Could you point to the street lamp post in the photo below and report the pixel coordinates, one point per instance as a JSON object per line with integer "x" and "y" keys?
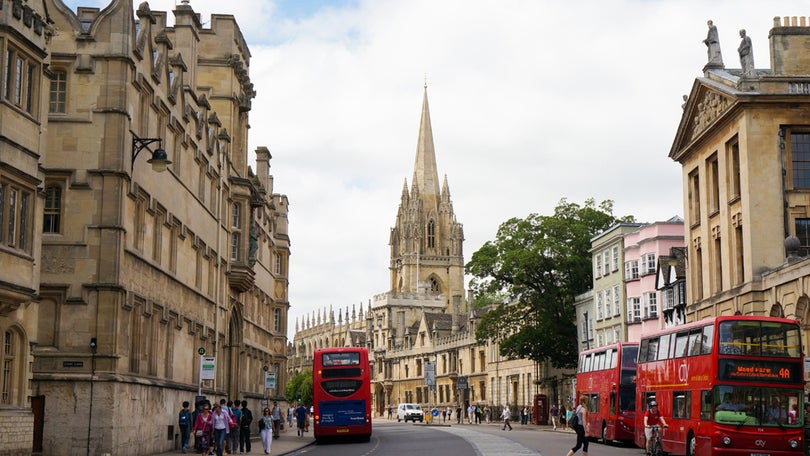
{"x": 93, "y": 349}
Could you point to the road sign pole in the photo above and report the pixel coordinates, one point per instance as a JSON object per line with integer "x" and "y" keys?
{"x": 201, "y": 351}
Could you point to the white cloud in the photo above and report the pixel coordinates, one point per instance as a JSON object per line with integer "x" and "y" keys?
{"x": 530, "y": 101}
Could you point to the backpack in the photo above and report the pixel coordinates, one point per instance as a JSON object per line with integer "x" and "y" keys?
{"x": 232, "y": 421}
{"x": 247, "y": 417}
{"x": 184, "y": 418}
{"x": 574, "y": 421}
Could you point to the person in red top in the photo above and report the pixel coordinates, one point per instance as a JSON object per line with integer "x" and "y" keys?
{"x": 652, "y": 417}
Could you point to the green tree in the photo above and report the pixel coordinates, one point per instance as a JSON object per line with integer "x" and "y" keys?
{"x": 541, "y": 263}
{"x": 299, "y": 388}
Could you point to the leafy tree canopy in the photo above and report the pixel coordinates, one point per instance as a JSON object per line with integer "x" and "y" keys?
{"x": 299, "y": 388}
{"x": 541, "y": 263}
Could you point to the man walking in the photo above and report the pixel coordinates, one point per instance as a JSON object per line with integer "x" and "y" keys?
{"x": 244, "y": 428}
{"x": 233, "y": 437}
{"x": 184, "y": 421}
{"x": 506, "y": 414}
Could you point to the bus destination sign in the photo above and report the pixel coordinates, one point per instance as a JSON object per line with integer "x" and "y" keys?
{"x": 760, "y": 371}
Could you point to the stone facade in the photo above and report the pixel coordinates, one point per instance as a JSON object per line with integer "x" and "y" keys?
{"x": 140, "y": 269}
{"x": 742, "y": 144}
{"x": 24, "y": 46}
{"x": 424, "y": 318}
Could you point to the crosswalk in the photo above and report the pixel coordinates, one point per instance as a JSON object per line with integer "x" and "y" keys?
{"x": 490, "y": 445}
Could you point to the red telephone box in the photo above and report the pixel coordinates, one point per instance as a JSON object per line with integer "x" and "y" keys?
{"x": 541, "y": 409}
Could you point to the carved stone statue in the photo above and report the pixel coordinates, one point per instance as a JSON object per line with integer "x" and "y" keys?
{"x": 253, "y": 245}
{"x": 712, "y": 43}
{"x": 746, "y": 56}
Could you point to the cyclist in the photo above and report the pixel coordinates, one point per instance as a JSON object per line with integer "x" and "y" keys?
{"x": 652, "y": 417}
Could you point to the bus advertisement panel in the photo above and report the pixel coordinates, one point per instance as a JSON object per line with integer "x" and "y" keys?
{"x": 606, "y": 375}
{"x": 341, "y": 384}
{"x": 726, "y": 386}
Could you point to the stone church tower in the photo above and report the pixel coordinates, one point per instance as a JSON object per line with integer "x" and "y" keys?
{"x": 426, "y": 241}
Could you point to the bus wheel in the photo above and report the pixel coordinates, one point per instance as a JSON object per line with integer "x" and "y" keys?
{"x": 690, "y": 445}
{"x": 604, "y": 434}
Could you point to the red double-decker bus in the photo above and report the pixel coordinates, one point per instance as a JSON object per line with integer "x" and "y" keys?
{"x": 606, "y": 376}
{"x": 341, "y": 392}
{"x": 726, "y": 386}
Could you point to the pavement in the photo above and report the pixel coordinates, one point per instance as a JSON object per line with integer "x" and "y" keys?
{"x": 289, "y": 442}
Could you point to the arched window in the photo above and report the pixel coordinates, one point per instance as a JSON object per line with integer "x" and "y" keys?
{"x": 11, "y": 358}
{"x": 431, "y": 234}
{"x": 434, "y": 286}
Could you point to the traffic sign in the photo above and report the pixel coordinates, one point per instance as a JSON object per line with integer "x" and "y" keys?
{"x": 207, "y": 368}
{"x": 462, "y": 383}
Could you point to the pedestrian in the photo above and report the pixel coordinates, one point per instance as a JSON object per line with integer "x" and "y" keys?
{"x": 478, "y": 414}
{"x": 506, "y": 414}
{"x": 554, "y": 412}
{"x": 244, "y": 428}
{"x": 221, "y": 421}
{"x": 568, "y": 414}
{"x": 458, "y": 415}
{"x": 203, "y": 429}
{"x": 276, "y": 414}
{"x": 311, "y": 413}
{"x": 184, "y": 423}
{"x": 266, "y": 429}
{"x": 236, "y": 412}
{"x": 524, "y": 416}
{"x": 290, "y": 416}
{"x": 470, "y": 410}
{"x": 226, "y": 409}
{"x": 580, "y": 426}
{"x": 390, "y": 411}
{"x": 487, "y": 414}
{"x": 301, "y": 416}
{"x": 444, "y": 415}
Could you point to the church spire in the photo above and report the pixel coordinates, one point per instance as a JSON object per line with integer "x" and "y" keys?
{"x": 425, "y": 175}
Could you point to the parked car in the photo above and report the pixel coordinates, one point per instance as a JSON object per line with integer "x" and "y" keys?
{"x": 411, "y": 412}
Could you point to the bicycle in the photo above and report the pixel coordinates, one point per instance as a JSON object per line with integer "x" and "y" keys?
{"x": 656, "y": 449}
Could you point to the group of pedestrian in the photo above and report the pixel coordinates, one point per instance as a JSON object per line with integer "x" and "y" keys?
{"x": 217, "y": 429}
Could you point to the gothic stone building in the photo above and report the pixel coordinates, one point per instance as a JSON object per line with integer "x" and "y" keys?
{"x": 24, "y": 41}
{"x": 424, "y": 318}
{"x": 139, "y": 269}
{"x": 743, "y": 143}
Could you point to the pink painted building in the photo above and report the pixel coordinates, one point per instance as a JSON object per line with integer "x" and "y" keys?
{"x": 644, "y": 304}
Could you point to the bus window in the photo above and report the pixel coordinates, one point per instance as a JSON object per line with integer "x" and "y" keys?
{"x": 681, "y": 344}
{"x": 778, "y": 340}
{"x": 707, "y": 340}
{"x": 612, "y": 402}
{"x": 663, "y": 347}
{"x": 629, "y": 356}
{"x": 613, "y": 355}
{"x": 649, "y": 397}
{"x": 681, "y": 404}
{"x": 706, "y": 405}
{"x": 694, "y": 342}
{"x": 587, "y": 363}
{"x": 642, "y": 351}
{"x": 652, "y": 351}
{"x": 593, "y": 404}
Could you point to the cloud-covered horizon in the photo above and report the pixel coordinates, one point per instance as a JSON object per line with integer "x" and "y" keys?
{"x": 530, "y": 102}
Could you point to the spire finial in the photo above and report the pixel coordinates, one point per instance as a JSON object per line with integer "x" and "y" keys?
{"x": 426, "y": 80}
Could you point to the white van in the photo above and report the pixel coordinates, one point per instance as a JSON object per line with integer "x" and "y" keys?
{"x": 411, "y": 412}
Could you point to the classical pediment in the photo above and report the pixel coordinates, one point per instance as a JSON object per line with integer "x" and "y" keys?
{"x": 705, "y": 105}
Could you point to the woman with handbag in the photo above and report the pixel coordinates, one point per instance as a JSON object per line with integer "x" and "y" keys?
{"x": 203, "y": 429}
{"x": 266, "y": 429}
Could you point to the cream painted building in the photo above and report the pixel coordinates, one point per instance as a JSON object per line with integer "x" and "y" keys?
{"x": 744, "y": 145}
{"x": 141, "y": 270}
{"x": 424, "y": 319}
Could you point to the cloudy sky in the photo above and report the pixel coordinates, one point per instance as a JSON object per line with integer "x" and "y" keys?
{"x": 531, "y": 101}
